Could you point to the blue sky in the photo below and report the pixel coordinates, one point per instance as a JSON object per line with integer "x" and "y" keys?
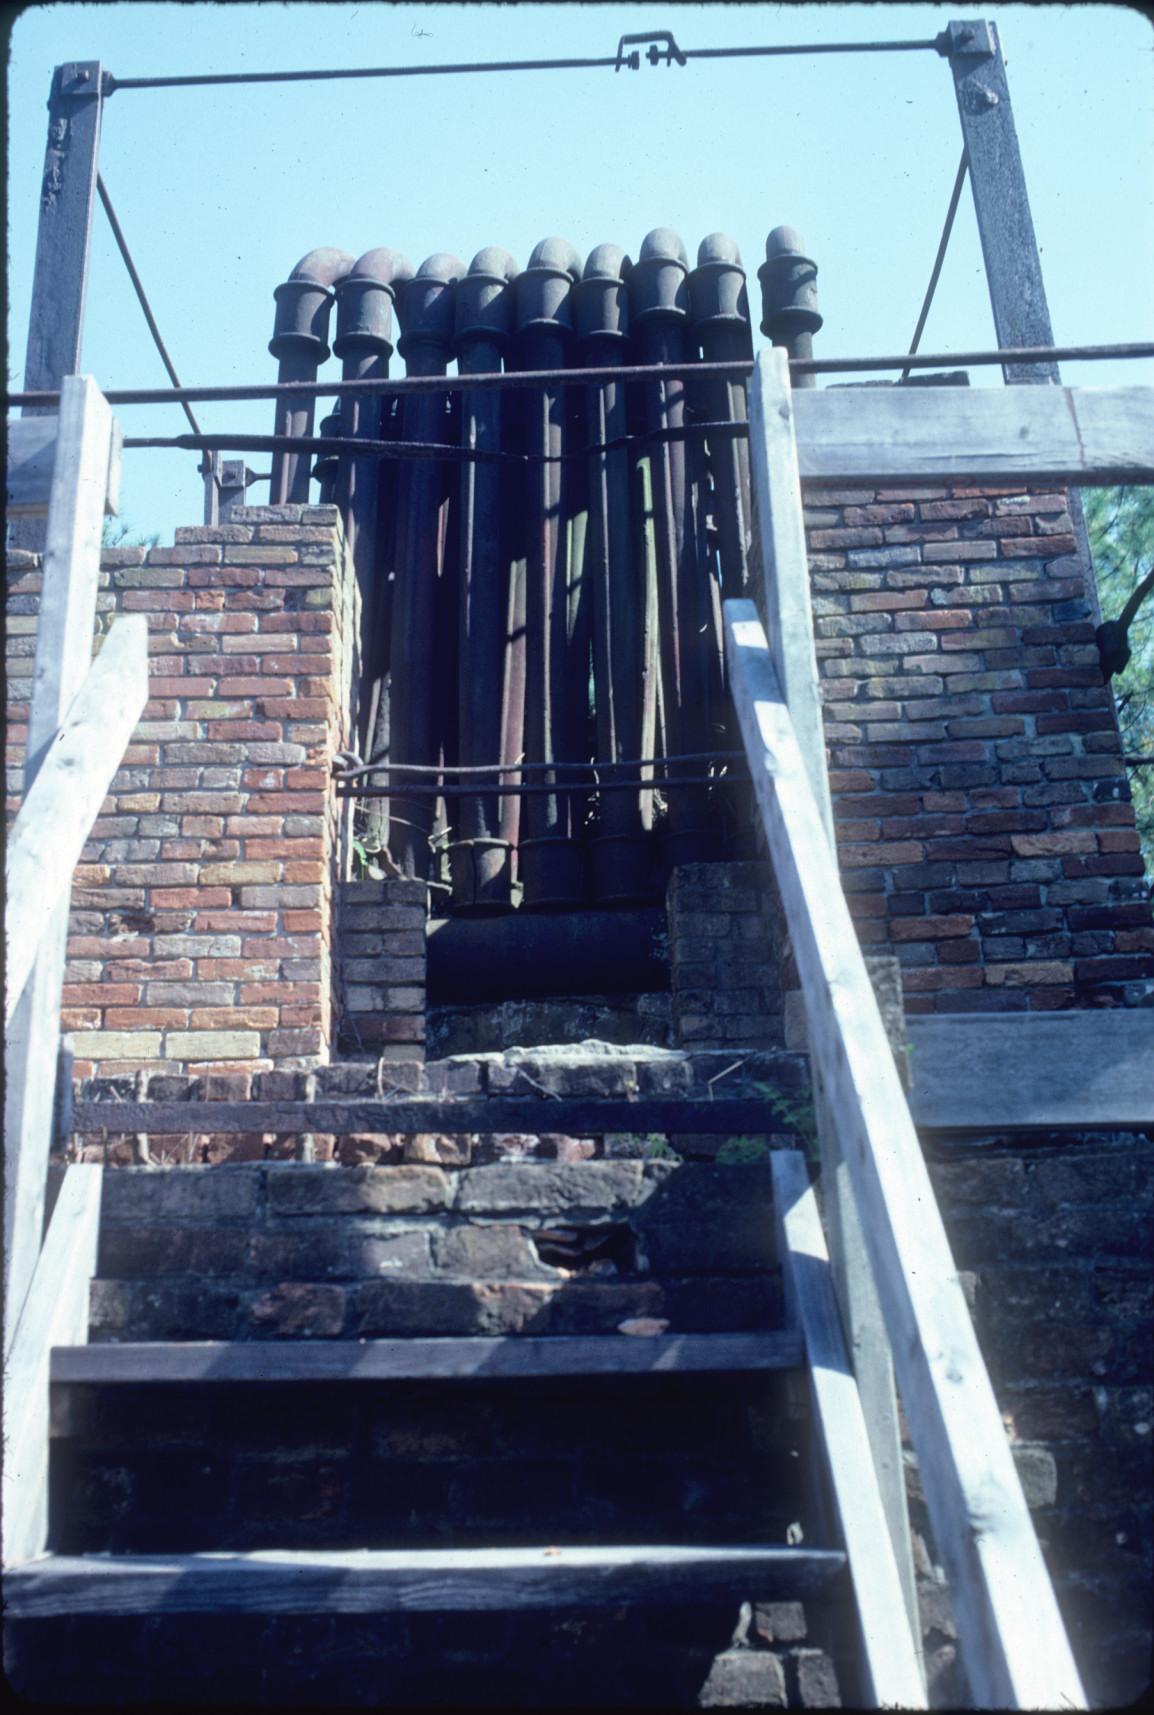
{"x": 221, "y": 190}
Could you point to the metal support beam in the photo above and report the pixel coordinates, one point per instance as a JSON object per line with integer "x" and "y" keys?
{"x": 60, "y": 274}
{"x": 1005, "y": 226}
{"x": 1006, "y": 229}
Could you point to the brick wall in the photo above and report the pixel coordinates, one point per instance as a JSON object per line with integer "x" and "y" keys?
{"x": 202, "y": 907}
{"x": 725, "y": 956}
{"x": 1055, "y": 1235}
{"x": 984, "y": 824}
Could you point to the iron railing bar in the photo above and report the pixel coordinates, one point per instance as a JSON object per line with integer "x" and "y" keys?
{"x": 142, "y": 296}
{"x": 426, "y": 449}
{"x": 198, "y": 79}
{"x": 551, "y": 788}
{"x": 939, "y": 259}
{"x": 471, "y": 769}
{"x": 735, "y": 371}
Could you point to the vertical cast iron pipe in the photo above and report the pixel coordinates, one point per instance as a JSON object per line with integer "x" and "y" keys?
{"x": 480, "y": 865}
{"x": 790, "y": 315}
{"x": 425, "y": 307}
{"x": 549, "y": 860}
{"x": 659, "y": 304}
{"x": 300, "y": 345}
{"x": 622, "y": 673}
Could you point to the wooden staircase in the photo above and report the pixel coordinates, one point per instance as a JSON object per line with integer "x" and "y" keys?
{"x": 202, "y": 1485}
{"x": 893, "y": 1285}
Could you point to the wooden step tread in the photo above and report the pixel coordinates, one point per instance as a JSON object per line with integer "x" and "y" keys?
{"x": 454, "y": 1115}
{"x": 416, "y": 1358}
{"x": 380, "y": 1580}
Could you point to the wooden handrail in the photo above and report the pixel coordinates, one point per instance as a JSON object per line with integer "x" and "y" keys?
{"x": 1013, "y": 1644}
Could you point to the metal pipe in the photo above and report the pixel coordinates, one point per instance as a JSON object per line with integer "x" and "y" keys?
{"x": 426, "y": 313}
{"x": 299, "y": 343}
{"x": 548, "y": 855}
{"x": 719, "y": 309}
{"x": 623, "y": 677}
{"x": 790, "y": 316}
{"x": 659, "y": 303}
{"x": 528, "y": 379}
{"x": 480, "y": 857}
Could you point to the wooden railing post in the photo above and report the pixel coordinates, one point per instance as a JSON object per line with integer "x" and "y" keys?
{"x": 779, "y": 521}
{"x": 87, "y": 457}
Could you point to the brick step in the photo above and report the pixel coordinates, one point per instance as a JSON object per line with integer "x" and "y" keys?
{"x": 659, "y": 1653}
{"x": 580, "y": 1458}
{"x": 590, "y": 1089}
{"x": 277, "y": 1250}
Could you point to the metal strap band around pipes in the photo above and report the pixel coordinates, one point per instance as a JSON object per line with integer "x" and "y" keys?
{"x": 1121, "y": 351}
{"x": 381, "y": 766}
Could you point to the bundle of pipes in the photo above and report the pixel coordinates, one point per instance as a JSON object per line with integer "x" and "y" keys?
{"x": 538, "y": 625}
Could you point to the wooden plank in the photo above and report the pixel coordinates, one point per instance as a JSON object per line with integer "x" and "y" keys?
{"x": 778, "y": 521}
{"x": 1039, "y": 1071}
{"x": 55, "y": 1313}
{"x": 64, "y": 800}
{"x": 371, "y": 1581}
{"x": 1005, "y": 227}
{"x": 1085, "y": 435}
{"x": 415, "y": 1359}
{"x": 1013, "y": 1644}
{"x": 578, "y": 1115}
{"x": 890, "y": 1649}
{"x": 71, "y": 570}
{"x": 785, "y": 571}
{"x": 32, "y": 460}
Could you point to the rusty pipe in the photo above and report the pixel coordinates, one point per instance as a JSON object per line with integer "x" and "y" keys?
{"x": 790, "y": 316}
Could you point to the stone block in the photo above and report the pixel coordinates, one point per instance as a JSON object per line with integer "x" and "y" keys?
{"x": 594, "y": 1187}
{"x": 211, "y": 1045}
{"x": 298, "y": 1310}
{"x": 330, "y": 1190}
{"x": 181, "y": 1193}
{"x": 745, "y": 1679}
{"x": 116, "y": 1044}
{"x": 489, "y": 1253}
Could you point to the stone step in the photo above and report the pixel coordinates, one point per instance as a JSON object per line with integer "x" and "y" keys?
{"x": 593, "y": 1089}
{"x": 283, "y": 1250}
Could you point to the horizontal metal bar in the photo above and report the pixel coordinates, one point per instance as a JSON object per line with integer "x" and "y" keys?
{"x": 473, "y": 769}
{"x": 343, "y": 445}
{"x": 485, "y": 789}
{"x": 736, "y": 371}
{"x": 112, "y": 84}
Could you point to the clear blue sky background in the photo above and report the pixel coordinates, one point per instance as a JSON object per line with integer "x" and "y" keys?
{"x": 221, "y": 190}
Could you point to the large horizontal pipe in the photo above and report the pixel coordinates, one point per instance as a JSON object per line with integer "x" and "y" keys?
{"x": 529, "y": 955}
{"x": 583, "y": 377}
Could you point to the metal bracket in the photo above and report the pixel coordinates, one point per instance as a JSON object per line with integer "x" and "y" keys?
{"x": 656, "y": 54}
{"x": 80, "y": 79}
{"x": 976, "y": 39}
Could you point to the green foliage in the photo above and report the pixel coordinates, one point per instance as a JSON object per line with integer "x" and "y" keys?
{"x": 738, "y": 1151}
{"x": 659, "y": 1148}
{"x": 1120, "y": 522}
{"x": 119, "y": 533}
{"x": 796, "y": 1114}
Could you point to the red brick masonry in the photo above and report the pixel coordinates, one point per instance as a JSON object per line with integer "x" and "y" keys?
{"x": 984, "y": 824}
